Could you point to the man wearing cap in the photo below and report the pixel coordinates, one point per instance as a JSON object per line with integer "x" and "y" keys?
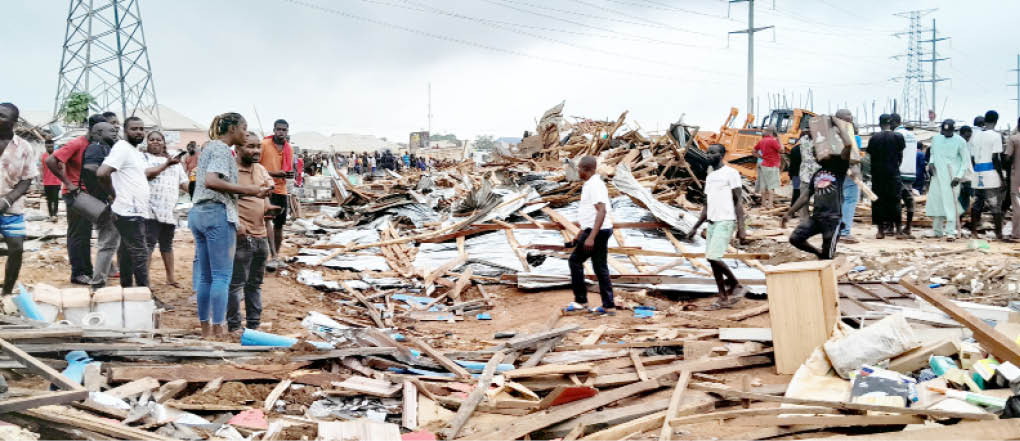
{"x": 948, "y": 165}
{"x": 886, "y": 151}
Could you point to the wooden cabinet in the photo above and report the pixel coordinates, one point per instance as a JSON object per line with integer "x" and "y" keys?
{"x": 803, "y": 309}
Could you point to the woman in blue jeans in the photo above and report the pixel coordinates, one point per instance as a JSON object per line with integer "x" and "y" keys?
{"x": 213, "y": 219}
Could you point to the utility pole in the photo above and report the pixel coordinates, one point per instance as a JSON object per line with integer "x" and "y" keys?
{"x": 934, "y": 61}
{"x": 428, "y": 127}
{"x": 1017, "y": 86}
{"x": 750, "y": 49}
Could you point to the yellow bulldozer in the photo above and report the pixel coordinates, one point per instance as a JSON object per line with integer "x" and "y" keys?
{"x": 740, "y": 141}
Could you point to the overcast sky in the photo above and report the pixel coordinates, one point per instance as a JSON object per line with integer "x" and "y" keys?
{"x": 363, "y": 66}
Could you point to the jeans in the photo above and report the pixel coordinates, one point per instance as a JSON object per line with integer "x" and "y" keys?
{"x": 250, "y": 257}
{"x": 52, "y": 198}
{"x": 214, "y": 259}
{"x": 132, "y": 255}
{"x": 599, "y": 263}
{"x": 108, "y": 244}
{"x": 851, "y": 193}
{"x": 79, "y": 241}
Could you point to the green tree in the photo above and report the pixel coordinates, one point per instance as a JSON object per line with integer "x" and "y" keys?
{"x": 485, "y": 142}
{"x": 76, "y": 108}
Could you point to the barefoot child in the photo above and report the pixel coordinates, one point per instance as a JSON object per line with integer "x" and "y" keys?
{"x": 724, "y": 212}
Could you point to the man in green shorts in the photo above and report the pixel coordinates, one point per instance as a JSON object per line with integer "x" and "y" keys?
{"x": 724, "y": 212}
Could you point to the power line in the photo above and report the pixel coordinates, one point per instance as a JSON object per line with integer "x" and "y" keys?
{"x": 482, "y": 46}
{"x": 498, "y": 25}
{"x": 635, "y": 17}
{"x": 634, "y": 37}
{"x": 609, "y": 19}
{"x": 663, "y": 7}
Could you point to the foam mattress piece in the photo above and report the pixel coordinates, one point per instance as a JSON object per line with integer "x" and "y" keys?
{"x": 77, "y": 304}
{"x": 48, "y": 300}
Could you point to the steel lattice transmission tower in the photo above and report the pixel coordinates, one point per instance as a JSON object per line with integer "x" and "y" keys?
{"x": 913, "y": 91}
{"x": 105, "y": 55}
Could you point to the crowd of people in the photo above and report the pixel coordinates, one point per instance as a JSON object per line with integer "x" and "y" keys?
{"x": 237, "y": 183}
{"x": 238, "y": 187}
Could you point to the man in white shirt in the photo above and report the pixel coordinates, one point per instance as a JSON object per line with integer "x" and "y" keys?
{"x": 724, "y": 212}
{"x": 593, "y": 240}
{"x": 123, "y": 173}
{"x": 986, "y": 151}
{"x": 908, "y": 171}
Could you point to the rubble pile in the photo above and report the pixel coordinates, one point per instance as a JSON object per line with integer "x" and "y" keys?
{"x": 433, "y": 325}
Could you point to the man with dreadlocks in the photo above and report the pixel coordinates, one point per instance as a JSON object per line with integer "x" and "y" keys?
{"x": 17, "y": 169}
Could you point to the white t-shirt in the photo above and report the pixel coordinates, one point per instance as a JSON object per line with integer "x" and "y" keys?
{"x": 129, "y": 181}
{"x": 719, "y": 187}
{"x": 908, "y": 167}
{"x": 984, "y": 144}
{"x": 593, "y": 192}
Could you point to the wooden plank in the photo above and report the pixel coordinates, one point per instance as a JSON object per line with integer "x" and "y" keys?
{"x": 745, "y": 334}
{"x": 539, "y": 353}
{"x": 169, "y": 390}
{"x": 72, "y": 417}
{"x": 525, "y": 341}
{"x": 440, "y": 358}
{"x": 639, "y": 367}
{"x": 462, "y": 282}
{"x": 372, "y": 311}
{"x": 749, "y": 312}
{"x": 430, "y": 278}
{"x": 550, "y": 369}
{"x": 620, "y": 431}
{"x": 369, "y": 386}
{"x": 830, "y": 421}
{"x": 516, "y": 247}
{"x": 984, "y": 430}
{"x": 697, "y": 264}
{"x": 595, "y": 335}
{"x": 409, "y": 413}
{"x": 991, "y": 340}
{"x": 275, "y": 394}
{"x": 727, "y": 392}
{"x": 203, "y": 373}
{"x": 729, "y": 414}
{"x": 530, "y": 423}
{"x": 134, "y": 388}
{"x": 38, "y": 367}
{"x": 468, "y": 406}
{"x": 803, "y": 309}
{"x": 704, "y": 365}
{"x": 917, "y": 358}
{"x": 666, "y": 432}
{"x": 44, "y": 399}
{"x": 358, "y": 430}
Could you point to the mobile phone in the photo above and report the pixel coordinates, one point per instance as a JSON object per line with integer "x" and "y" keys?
{"x": 181, "y": 154}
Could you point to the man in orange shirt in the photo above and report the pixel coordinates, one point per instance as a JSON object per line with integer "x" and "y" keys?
{"x": 278, "y": 159}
